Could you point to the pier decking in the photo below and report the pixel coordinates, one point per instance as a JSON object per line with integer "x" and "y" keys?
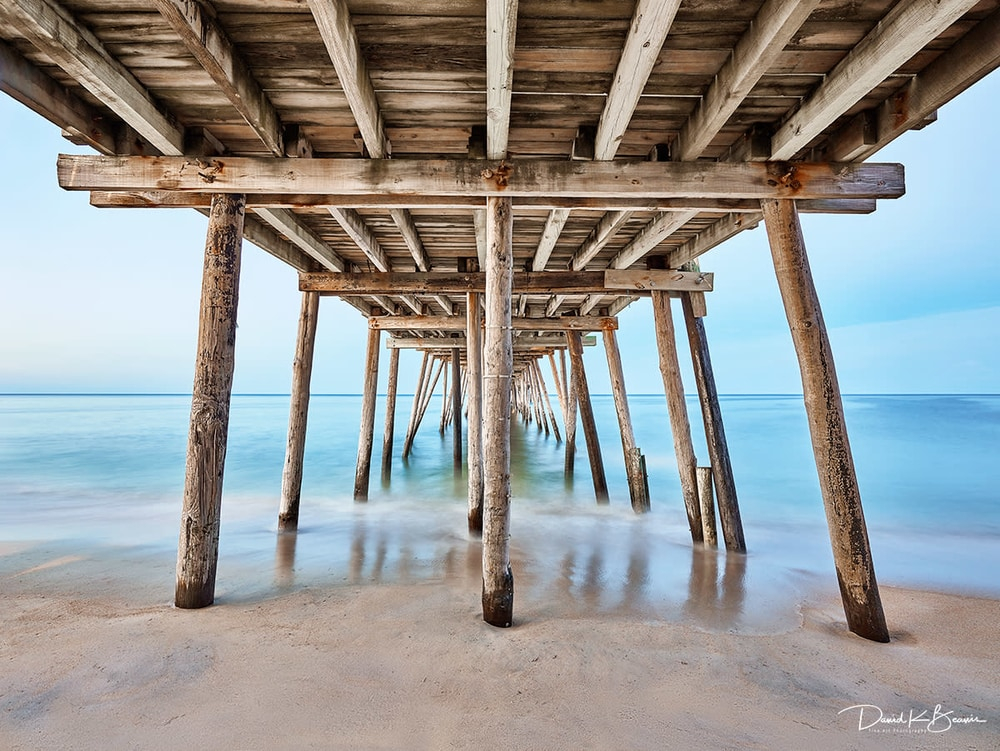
{"x": 489, "y": 181}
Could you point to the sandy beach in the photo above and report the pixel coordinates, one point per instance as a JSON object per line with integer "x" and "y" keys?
{"x": 95, "y": 657}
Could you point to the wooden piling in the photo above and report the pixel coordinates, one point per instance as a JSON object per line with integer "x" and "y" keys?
{"x": 587, "y": 416}
{"x": 707, "y": 504}
{"x": 715, "y": 432}
{"x": 569, "y": 384}
{"x": 637, "y": 485}
{"x": 680, "y": 427}
{"x": 545, "y": 398}
{"x": 390, "y": 415}
{"x": 418, "y": 395}
{"x": 291, "y": 476}
{"x": 445, "y": 394}
{"x": 367, "y": 431}
{"x": 474, "y": 360}
{"x": 827, "y": 426}
{"x": 456, "y": 407}
{"x": 498, "y": 579}
{"x": 198, "y": 546}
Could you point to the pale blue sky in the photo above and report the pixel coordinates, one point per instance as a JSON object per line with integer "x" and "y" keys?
{"x": 107, "y": 300}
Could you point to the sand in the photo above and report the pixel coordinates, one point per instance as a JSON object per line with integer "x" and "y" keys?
{"x": 93, "y": 656}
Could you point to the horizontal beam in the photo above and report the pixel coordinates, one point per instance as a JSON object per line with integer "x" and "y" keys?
{"x": 458, "y": 323}
{"x": 164, "y": 199}
{"x": 525, "y": 283}
{"x": 441, "y": 177}
{"x": 550, "y": 341}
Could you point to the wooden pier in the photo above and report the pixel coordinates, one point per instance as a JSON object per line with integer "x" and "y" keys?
{"x": 490, "y": 183}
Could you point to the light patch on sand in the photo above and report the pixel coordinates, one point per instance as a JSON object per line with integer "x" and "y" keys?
{"x": 54, "y": 563}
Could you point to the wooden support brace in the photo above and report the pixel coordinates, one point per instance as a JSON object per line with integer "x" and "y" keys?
{"x": 587, "y": 417}
{"x": 367, "y": 431}
{"x": 637, "y": 483}
{"x": 390, "y": 416}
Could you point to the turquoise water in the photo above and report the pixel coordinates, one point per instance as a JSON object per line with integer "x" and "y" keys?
{"x": 109, "y": 470}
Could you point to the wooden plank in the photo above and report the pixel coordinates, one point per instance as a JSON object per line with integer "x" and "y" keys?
{"x": 903, "y": 32}
{"x": 354, "y": 225}
{"x": 54, "y": 31}
{"x": 460, "y": 323}
{"x": 546, "y": 282}
{"x": 717, "y": 233}
{"x": 498, "y": 579}
{"x": 366, "y": 433}
{"x": 408, "y": 229}
{"x": 650, "y": 236}
{"x": 341, "y": 40}
{"x": 550, "y": 236}
{"x": 650, "y": 24}
{"x": 198, "y": 547}
{"x": 827, "y": 426}
{"x": 50, "y": 99}
{"x": 399, "y": 177}
{"x": 291, "y": 475}
{"x": 304, "y": 238}
{"x": 208, "y": 43}
{"x": 605, "y": 229}
{"x": 501, "y": 30}
{"x": 772, "y": 28}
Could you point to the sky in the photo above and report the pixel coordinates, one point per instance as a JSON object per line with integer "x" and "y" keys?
{"x": 106, "y": 300}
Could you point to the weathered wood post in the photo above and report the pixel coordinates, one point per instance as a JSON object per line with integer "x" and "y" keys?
{"x": 390, "y": 416}
{"x": 474, "y": 362}
{"x": 367, "y": 432}
{"x": 456, "y": 406}
{"x": 827, "y": 426}
{"x": 707, "y": 500}
{"x": 715, "y": 432}
{"x": 198, "y": 546}
{"x": 569, "y": 389}
{"x": 418, "y": 395}
{"x": 545, "y": 398}
{"x": 498, "y": 579}
{"x": 445, "y": 394}
{"x": 587, "y": 416}
{"x": 633, "y": 465}
{"x": 291, "y": 476}
{"x": 673, "y": 386}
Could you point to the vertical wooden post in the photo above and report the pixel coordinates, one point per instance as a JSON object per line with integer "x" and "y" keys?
{"x": 633, "y": 466}
{"x": 291, "y": 476}
{"x": 569, "y": 384}
{"x": 673, "y": 386}
{"x": 456, "y": 406}
{"x": 444, "y": 402}
{"x": 498, "y": 579}
{"x": 390, "y": 415}
{"x": 707, "y": 500}
{"x": 715, "y": 432}
{"x": 198, "y": 546}
{"x": 827, "y": 426}
{"x": 367, "y": 432}
{"x": 474, "y": 368}
{"x": 587, "y": 416}
{"x": 417, "y": 397}
{"x": 545, "y": 397}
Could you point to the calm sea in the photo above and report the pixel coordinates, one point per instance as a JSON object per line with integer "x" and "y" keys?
{"x": 108, "y": 470}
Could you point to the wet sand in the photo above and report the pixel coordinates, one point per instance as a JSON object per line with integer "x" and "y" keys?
{"x": 385, "y": 649}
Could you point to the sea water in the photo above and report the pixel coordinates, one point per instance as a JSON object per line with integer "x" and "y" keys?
{"x": 84, "y": 470}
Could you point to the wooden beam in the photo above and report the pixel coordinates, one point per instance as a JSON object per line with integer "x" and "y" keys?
{"x": 304, "y": 238}
{"x": 605, "y": 229}
{"x": 208, "y": 43}
{"x": 53, "y": 101}
{"x": 151, "y": 199}
{"x": 713, "y": 235}
{"x": 408, "y": 229}
{"x": 550, "y": 236}
{"x": 827, "y": 426}
{"x": 291, "y": 475}
{"x": 264, "y": 237}
{"x": 198, "y": 547}
{"x": 770, "y": 30}
{"x": 396, "y": 177}
{"x": 971, "y": 58}
{"x": 650, "y": 236}
{"x": 460, "y": 323}
{"x": 547, "y": 341}
{"x": 651, "y": 22}
{"x": 904, "y": 31}
{"x": 501, "y": 30}
{"x": 546, "y": 282}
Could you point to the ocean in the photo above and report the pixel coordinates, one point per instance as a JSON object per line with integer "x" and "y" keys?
{"x": 86, "y": 473}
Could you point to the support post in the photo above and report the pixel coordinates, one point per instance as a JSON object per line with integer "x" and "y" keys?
{"x": 673, "y": 386}
{"x": 445, "y": 401}
{"x": 390, "y": 415}
{"x": 827, "y": 426}
{"x": 474, "y": 362}
{"x": 367, "y": 432}
{"x": 545, "y": 398}
{"x": 587, "y": 416}
{"x": 456, "y": 406}
{"x": 569, "y": 384}
{"x": 198, "y": 546}
{"x": 291, "y": 476}
{"x": 637, "y": 484}
{"x": 707, "y": 500}
{"x": 418, "y": 395}
{"x": 715, "y": 432}
{"x": 498, "y": 579}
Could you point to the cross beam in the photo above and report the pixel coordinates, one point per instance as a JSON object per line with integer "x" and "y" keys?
{"x": 459, "y": 323}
